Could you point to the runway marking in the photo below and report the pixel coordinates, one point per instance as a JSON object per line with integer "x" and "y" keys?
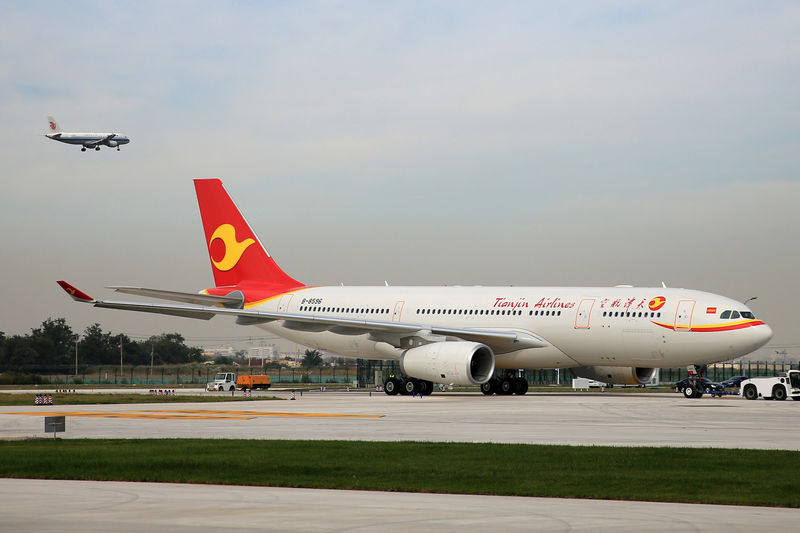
{"x": 192, "y": 414}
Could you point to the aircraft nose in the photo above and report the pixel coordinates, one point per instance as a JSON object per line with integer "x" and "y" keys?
{"x": 763, "y": 333}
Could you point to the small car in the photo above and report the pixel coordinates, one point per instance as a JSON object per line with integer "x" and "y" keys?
{"x": 711, "y": 387}
{"x": 733, "y": 382}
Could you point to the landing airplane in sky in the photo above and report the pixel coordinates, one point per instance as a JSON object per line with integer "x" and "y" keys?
{"x": 87, "y": 140}
{"x": 457, "y": 335}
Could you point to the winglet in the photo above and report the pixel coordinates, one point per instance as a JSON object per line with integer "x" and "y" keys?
{"x": 76, "y": 294}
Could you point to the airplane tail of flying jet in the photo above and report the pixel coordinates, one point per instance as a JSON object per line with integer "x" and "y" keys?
{"x": 237, "y": 256}
{"x": 52, "y": 125}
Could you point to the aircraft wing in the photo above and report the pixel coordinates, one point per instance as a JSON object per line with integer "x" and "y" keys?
{"x": 100, "y": 141}
{"x": 188, "y": 297}
{"x": 500, "y": 341}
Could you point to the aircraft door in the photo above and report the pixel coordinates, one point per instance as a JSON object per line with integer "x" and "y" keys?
{"x": 398, "y": 310}
{"x": 683, "y": 316}
{"x": 283, "y": 304}
{"x": 584, "y": 313}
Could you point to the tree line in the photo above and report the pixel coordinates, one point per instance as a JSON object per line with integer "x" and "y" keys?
{"x": 51, "y": 348}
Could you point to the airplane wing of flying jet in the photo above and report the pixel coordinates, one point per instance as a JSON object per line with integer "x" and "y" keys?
{"x": 98, "y": 142}
{"x": 499, "y": 341}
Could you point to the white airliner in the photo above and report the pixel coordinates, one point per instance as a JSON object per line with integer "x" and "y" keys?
{"x": 458, "y": 335}
{"x": 87, "y": 140}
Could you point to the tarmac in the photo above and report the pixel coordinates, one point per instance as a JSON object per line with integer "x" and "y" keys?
{"x": 580, "y": 418}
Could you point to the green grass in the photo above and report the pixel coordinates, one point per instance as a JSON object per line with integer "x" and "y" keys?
{"x": 715, "y": 476}
{"x": 111, "y": 398}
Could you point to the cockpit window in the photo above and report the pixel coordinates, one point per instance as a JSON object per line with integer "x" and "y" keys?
{"x": 734, "y": 314}
{"x": 747, "y": 314}
{"x": 725, "y": 314}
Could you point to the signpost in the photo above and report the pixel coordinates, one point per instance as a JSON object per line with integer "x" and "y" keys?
{"x": 56, "y": 424}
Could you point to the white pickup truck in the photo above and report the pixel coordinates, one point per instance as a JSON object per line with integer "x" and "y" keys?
{"x": 784, "y": 385}
{"x": 223, "y": 381}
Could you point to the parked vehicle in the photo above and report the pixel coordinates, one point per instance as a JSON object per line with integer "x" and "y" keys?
{"x": 709, "y": 387}
{"x": 733, "y": 382}
{"x": 223, "y": 381}
{"x": 250, "y": 381}
{"x": 784, "y": 385}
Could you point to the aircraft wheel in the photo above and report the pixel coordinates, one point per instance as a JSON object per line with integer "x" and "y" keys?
{"x": 487, "y": 388}
{"x": 390, "y": 387}
{"x": 506, "y": 387}
{"x": 688, "y": 392}
{"x": 425, "y": 387}
{"x": 409, "y": 387}
{"x": 521, "y": 386}
{"x": 83, "y": 149}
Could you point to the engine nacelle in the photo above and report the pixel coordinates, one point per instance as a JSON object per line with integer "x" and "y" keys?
{"x": 112, "y": 144}
{"x": 616, "y": 375}
{"x": 457, "y": 362}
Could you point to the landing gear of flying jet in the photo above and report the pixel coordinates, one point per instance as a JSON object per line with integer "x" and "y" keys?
{"x": 83, "y": 149}
{"x": 505, "y": 385}
{"x": 97, "y": 148}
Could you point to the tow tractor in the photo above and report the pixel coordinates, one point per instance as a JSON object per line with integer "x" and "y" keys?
{"x": 784, "y": 385}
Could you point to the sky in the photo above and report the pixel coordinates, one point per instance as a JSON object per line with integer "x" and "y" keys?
{"x": 418, "y": 143}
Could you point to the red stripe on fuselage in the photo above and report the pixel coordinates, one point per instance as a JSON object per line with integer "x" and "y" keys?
{"x": 720, "y": 327}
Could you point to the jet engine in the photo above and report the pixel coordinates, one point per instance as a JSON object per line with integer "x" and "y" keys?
{"x": 112, "y": 144}
{"x": 456, "y": 362}
{"x": 616, "y": 375}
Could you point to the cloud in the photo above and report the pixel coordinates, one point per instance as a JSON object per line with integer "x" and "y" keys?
{"x": 436, "y": 143}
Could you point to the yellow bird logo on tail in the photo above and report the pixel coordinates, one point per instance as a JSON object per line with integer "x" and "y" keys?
{"x": 233, "y": 248}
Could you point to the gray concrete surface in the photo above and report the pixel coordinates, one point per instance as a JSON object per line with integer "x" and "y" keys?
{"x": 89, "y": 506}
{"x": 570, "y": 418}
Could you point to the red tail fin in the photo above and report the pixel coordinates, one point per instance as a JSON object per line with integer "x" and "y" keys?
{"x": 237, "y": 256}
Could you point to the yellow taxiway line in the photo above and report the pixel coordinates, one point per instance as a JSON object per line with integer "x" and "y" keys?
{"x": 191, "y": 414}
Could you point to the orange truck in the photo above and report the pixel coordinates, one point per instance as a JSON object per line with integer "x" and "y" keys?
{"x": 249, "y": 381}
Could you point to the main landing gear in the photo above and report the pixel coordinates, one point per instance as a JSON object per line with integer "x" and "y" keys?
{"x": 407, "y": 386}
{"x": 696, "y": 386}
{"x": 506, "y": 385}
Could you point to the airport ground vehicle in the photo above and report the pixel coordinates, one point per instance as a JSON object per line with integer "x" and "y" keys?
{"x": 222, "y": 381}
{"x": 228, "y": 381}
{"x": 250, "y": 381}
{"x": 784, "y": 385}
{"x": 690, "y": 387}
